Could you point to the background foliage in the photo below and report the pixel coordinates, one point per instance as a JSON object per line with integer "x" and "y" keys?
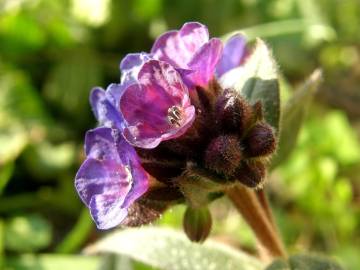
{"x": 53, "y": 52}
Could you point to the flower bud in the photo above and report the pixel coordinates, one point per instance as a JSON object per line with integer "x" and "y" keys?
{"x": 164, "y": 194}
{"x": 197, "y": 223}
{"x": 223, "y": 154}
{"x": 163, "y": 171}
{"x": 260, "y": 141}
{"x": 232, "y": 112}
{"x": 251, "y": 173}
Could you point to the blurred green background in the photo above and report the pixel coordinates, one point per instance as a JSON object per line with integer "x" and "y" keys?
{"x": 52, "y": 52}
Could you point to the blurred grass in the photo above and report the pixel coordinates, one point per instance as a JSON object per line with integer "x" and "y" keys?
{"x": 53, "y": 52}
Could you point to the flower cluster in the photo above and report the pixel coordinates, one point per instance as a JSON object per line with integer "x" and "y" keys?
{"x": 167, "y": 116}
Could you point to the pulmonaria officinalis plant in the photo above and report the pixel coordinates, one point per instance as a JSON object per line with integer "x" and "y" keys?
{"x": 179, "y": 128}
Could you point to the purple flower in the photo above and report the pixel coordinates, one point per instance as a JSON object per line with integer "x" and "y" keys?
{"x": 233, "y": 54}
{"x": 150, "y": 105}
{"x": 104, "y": 105}
{"x": 131, "y": 65}
{"x": 157, "y": 107}
{"x": 230, "y": 68}
{"x": 190, "y": 49}
{"x": 111, "y": 178}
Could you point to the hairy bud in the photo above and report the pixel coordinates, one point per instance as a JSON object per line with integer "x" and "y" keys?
{"x": 260, "y": 141}
{"x": 223, "y": 154}
{"x": 197, "y": 223}
{"x": 164, "y": 194}
{"x": 251, "y": 173}
{"x": 232, "y": 112}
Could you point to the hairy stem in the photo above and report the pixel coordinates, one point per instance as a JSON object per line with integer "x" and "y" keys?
{"x": 265, "y": 204}
{"x": 248, "y": 204}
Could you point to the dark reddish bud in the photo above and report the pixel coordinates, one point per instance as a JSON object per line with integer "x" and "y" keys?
{"x": 223, "y": 154}
{"x": 163, "y": 171}
{"x": 251, "y": 173}
{"x": 260, "y": 141}
{"x": 232, "y": 112}
{"x": 197, "y": 223}
{"x": 144, "y": 211}
{"x": 164, "y": 194}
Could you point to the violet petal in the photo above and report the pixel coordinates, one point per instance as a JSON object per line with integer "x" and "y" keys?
{"x": 103, "y": 110}
{"x": 99, "y": 144}
{"x": 204, "y": 62}
{"x": 131, "y": 65}
{"x": 111, "y": 178}
{"x": 178, "y": 47}
{"x": 233, "y": 54}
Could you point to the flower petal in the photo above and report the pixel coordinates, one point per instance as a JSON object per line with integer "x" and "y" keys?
{"x": 107, "y": 211}
{"x": 145, "y": 107}
{"x": 103, "y": 110}
{"x": 140, "y": 186}
{"x": 194, "y": 35}
{"x": 111, "y": 178}
{"x": 131, "y": 65}
{"x": 204, "y": 62}
{"x": 96, "y": 177}
{"x": 178, "y": 47}
{"x": 100, "y": 144}
{"x": 113, "y": 93}
{"x": 233, "y": 54}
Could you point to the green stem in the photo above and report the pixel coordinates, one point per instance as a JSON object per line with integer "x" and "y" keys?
{"x": 78, "y": 234}
{"x": 2, "y": 244}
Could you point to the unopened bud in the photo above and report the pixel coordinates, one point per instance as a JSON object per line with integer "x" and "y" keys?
{"x": 197, "y": 223}
{"x": 164, "y": 194}
{"x": 232, "y": 112}
{"x": 223, "y": 154}
{"x": 260, "y": 141}
{"x": 251, "y": 173}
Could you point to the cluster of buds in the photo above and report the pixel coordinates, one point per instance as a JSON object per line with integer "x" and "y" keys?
{"x": 170, "y": 132}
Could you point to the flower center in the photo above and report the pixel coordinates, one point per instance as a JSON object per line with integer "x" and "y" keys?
{"x": 174, "y": 116}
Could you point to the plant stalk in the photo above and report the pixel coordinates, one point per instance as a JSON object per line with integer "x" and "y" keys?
{"x": 249, "y": 206}
{"x": 265, "y": 204}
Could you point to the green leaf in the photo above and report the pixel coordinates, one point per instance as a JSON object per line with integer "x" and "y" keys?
{"x": 293, "y": 115}
{"x": 6, "y": 172}
{"x": 278, "y": 265}
{"x": 70, "y": 82}
{"x": 305, "y": 262}
{"x": 46, "y": 160}
{"x": 21, "y": 113}
{"x": 311, "y": 262}
{"x": 13, "y": 140}
{"x": 257, "y": 80}
{"x": 27, "y": 233}
{"x": 286, "y": 28}
{"x": 169, "y": 249}
{"x": 53, "y": 262}
{"x": 20, "y": 102}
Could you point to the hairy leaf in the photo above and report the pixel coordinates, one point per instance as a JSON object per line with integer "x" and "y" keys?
{"x": 305, "y": 262}
{"x": 293, "y": 115}
{"x": 168, "y": 249}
